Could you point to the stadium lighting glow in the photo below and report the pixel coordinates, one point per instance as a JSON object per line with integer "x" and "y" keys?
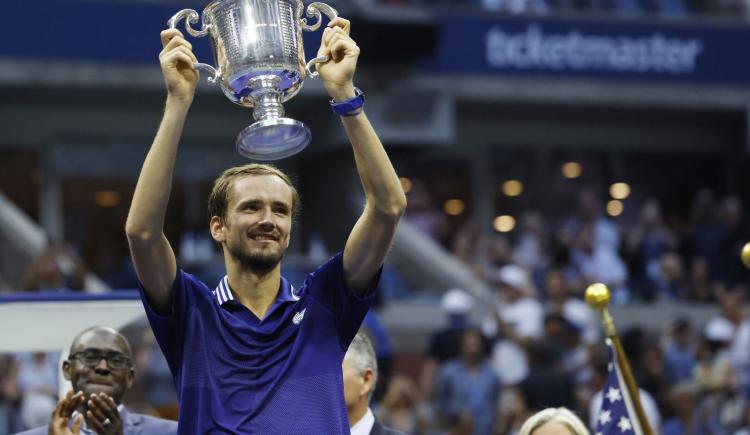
{"x": 107, "y": 198}
{"x": 571, "y": 170}
{"x": 504, "y": 223}
{"x": 405, "y": 184}
{"x": 512, "y": 188}
{"x": 454, "y": 207}
{"x": 615, "y": 208}
{"x": 619, "y": 190}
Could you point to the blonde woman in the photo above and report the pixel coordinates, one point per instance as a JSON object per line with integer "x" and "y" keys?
{"x": 553, "y": 421}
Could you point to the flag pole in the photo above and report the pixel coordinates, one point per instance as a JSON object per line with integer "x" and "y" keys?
{"x": 598, "y": 296}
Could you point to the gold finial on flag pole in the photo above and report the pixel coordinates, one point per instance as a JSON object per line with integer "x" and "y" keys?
{"x": 598, "y": 297}
{"x": 745, "y": 256}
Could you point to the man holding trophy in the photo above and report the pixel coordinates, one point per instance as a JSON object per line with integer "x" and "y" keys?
{"x": 256, "y": 355}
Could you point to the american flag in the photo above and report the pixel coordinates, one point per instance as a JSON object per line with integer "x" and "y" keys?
{"x": 617, "y": 415}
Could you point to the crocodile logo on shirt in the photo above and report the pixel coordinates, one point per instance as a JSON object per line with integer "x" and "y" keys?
{"x": 298, "y": 316}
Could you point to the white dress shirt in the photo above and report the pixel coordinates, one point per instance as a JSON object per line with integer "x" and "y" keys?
{"x": 365, "y": 424}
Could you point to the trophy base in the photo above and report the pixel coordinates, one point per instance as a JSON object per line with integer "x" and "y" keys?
{"x": 273, "y": 139}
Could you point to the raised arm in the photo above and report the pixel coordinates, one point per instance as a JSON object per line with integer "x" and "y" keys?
{"x": 150, "y": 250}
{"x": 385, "y": 201}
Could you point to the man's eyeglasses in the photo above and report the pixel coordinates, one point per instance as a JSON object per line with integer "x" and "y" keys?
{"x": 115, "y": 360}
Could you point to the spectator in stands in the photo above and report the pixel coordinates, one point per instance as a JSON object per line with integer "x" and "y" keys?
{"x": 10, "y": 394}
{"x": 745, "y": 429}
{"x": 560, "y": 299}
{"x": 495, "y": 251}
{"x": 403, "y": 408}
{"x": 465, "y": 245}
{"x": 425, "y": 215}
{"x": 518, "y": 321}
{"x": 682, "y": 401}
{"x": 467, "y": 389}
{"x": 566, "y": 336}
{"x": 155, "y": 380}
{"x": 554, "y": 421}
{"x": 670, "y": 284}
{"x": 736, "y": 326}
{"x": 647, "y": 241}
{"x": 530, "y": 250}
{"x": 100, "y": 369}
{"x": 512, "y": 411}
{"x": 360, "y": 372}
{"x": 679, "y": 352}
{"x": 703, "y": 238}
{"x": 733, "y": 234}
{"x": 600, "y": 261}
{"x": 57, "y": 267}
{"x": 700, "y": 287}
{"x": 37, "y": 383}
{"x": 548, "y": 384}
{"x": 720, "y": 401}
{"x": 604, "y": 232}
{"x": 444, "y": 345}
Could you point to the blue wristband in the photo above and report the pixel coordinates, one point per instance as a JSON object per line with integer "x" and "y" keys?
{"x": 350, "y": 107}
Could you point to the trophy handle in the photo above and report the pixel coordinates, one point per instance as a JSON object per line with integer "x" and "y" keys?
{"x": 313, "y": 11}
{"x": 191, "y": 17}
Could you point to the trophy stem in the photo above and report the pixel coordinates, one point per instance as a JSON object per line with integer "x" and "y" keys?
{"x": 266, "y": 97}
{"x": 271, "y": 136}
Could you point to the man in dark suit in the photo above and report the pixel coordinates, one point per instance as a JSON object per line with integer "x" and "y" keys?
{"x": 100, "y": 367}
{"x": 360, "y": 369}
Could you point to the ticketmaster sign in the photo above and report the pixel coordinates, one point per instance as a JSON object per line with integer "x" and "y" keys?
{"x": 579, "y": 51}
{"x": 594, "y": 49}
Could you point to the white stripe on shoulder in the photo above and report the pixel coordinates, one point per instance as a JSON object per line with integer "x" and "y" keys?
{"x": 293, "y": 291}
{"x": 222, "y": 292}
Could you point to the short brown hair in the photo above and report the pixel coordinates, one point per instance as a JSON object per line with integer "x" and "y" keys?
{"x": 218, "y": 200}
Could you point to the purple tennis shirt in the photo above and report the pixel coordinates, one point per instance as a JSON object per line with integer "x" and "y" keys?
{"x": 237, "y": 374}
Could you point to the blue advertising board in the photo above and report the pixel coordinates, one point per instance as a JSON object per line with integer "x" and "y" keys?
{"x": 684, "y": 52}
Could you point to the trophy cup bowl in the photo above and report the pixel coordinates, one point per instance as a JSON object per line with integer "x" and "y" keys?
{"x": 260, "y": 64}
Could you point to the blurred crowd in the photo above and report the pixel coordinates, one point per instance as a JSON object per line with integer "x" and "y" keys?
{"x": 543, "y": 345}
{"x": 489, "y": 377}
{"x": 642, "y": 257}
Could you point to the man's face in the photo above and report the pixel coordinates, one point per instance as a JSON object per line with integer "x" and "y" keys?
{"x": 112, "y": 375}
{"x": 354, "y": 383}
{"x": 471, "y": 346}
{"x": 258, "y": 221}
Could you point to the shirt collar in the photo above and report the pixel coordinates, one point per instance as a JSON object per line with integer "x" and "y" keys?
{"x": 223, "y": 293}
{"x": 365, "y": 424}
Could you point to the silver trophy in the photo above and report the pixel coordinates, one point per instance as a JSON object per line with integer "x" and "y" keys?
{"x": 260, "y": 63}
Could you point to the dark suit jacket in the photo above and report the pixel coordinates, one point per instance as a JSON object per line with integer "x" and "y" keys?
{"x": 133, "y": 424}
{"x": 379, "y": 429}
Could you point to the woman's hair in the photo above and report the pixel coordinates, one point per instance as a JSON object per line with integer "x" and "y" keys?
{"x": 559, "y": 415}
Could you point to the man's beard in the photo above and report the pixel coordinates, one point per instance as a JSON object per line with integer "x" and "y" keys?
{"x": 259, "y": 263}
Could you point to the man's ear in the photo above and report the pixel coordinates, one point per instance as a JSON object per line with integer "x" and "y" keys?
{"x": 66, "y": 370}
{"x": 368, "y": 382}
{"x": 131, "y": 377}
{"x": 217, "y": 229}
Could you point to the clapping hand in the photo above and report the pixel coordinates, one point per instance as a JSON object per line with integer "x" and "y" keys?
{"x": 102, "y": 415}
{"x": 58, "y": 424}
